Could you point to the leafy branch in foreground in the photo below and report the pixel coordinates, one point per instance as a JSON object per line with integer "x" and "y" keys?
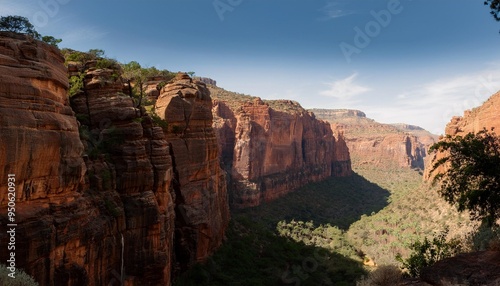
{"x": 427, "y": 252}
{"x": 471, "y": 179}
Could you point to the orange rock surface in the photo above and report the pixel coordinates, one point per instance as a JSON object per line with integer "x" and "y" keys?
{"x": 381, "y": 145}
{"x": 272, "y": 148}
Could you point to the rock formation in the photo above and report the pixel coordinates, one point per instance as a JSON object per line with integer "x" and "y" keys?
{"x": 485, "y": 116}
{"x": 475, "y": 120}
{"x": 100, "y": 199}
{"x": 200, "y": 188}
{"x": 274, "y": 147}
{"x": 377, "y": 144}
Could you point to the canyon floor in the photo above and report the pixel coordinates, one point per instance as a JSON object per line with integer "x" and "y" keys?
{"x": 329, "y": 233}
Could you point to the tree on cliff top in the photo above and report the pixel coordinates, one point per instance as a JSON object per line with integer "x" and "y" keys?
{"x": 18, "y": 24}
{"x": 472, "y": 176}
{"x": 21, "y": 25}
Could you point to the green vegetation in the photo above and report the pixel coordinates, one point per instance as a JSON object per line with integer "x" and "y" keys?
{"x": 76, "y": 84}
{"x": 18, "y": 24}
{"x": 21, "y": 278}
{"x": 256, "y": 255}
{"x": 428, "y": 252}
{"x": 138, "y": 77}
{"x": 21, "y": 25}
{"x": 387, "y": 275}
{"x": 102, "y": 142}
{"x": 471, "y": 179}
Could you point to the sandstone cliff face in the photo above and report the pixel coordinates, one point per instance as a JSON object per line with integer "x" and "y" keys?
{"x": 200, "y": 188}
{"x": 101, "y": 199}
{"x": 485, "y": 116}
{"x": 272, "y": 148}
{"x": 381, "y": 145}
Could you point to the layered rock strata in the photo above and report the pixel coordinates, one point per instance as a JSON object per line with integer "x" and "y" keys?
{"x": 377, "y": 144}
{"x": 485, "y": 116}
{"x": 200, "y": 183}
{"x": 272, "y": 148}
{"x": 100, "y": 200}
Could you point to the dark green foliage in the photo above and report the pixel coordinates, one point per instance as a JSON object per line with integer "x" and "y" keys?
{"x": 18, "y": 24}
{"x": 472, "y": 176}
{"x": 428, "y": 252}
{"x": 105, "y": 63}
{"x": 495, "y": 8}
{"x": 51, "y": 40}
{"x": 137, "y": 78}
{"x": 100, "y": 142}
{"x": 256, "y": 255}
{"x": 158, "y": 121}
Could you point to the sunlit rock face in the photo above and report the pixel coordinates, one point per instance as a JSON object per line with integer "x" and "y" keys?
{"x": 485, "y": 116}
{"x": 376, "y": 144}
{"x": 102, "y": 194}
{"x": 273, "y": 148}
{"x": 200, "y": 184}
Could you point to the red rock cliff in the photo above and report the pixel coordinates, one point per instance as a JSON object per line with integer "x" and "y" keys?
{"x": 101, "y": 199}
{"x": 485, "y": 116}
{"x": 381, "y": 145}
{"x": 272, "y": 148}
{"x": 200, "y": 188}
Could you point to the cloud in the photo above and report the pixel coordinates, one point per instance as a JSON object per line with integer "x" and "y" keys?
{"x": 334, "y": 10}
{"x": 345, "y": 88}
{"x": 432, "y": 105}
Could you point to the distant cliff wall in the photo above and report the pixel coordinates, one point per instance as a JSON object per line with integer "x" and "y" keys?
{"x": 377, "y": 144}
{"x": 272, "y": 148}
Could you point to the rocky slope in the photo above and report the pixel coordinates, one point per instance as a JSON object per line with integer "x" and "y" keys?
{"x": 377, "y": 144}
{"x": 270, "y": 148}
{"x": 102, "y": 199}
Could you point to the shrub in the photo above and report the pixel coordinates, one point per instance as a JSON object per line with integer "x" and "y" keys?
{"x": 428, "y": 252}
{"x": 22, "y": 279}
{"x": 386, "y": 275}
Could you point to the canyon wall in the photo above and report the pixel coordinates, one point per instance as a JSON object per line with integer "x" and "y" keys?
{"x": 104, "y": 196}
{"x": 485, "y": 116}
{"x": 274, "y": 147}
{"x": 200, "y": 183}
{"x": 377, "y": 144}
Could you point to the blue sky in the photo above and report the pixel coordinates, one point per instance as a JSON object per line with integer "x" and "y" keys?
{"x": 414, "y": 61}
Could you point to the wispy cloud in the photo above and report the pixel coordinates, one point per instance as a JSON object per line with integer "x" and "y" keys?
{"x": 334, "y": 10}
{"x": 345, "y": 88}
{"x": 432, "y": 105}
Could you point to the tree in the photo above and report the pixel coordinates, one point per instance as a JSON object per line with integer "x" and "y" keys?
{"x": 191, "y": 73}
{"x": 51, "y": 40}
{"x": 18, "y": 24}
{"x": 495, "y": 8}
{"x": 471, "y": 179}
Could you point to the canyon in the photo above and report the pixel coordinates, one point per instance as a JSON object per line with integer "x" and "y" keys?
{"x": 107, "y": 194}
